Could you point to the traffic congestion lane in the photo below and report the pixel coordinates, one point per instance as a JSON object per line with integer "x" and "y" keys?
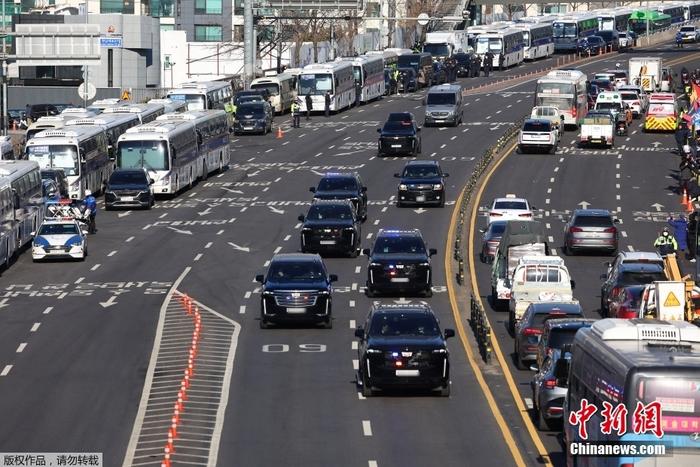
{"x": 611, "y": 178}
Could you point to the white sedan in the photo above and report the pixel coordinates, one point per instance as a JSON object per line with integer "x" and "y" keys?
{"x": 510, "y": 208}
{"x": 59, "y": 238}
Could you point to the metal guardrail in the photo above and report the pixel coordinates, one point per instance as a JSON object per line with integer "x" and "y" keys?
{"x": 481, "y": 329}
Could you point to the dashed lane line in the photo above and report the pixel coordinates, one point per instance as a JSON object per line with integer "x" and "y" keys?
{"x": 198, "y": 257}
{"x": 129, "y": 239}
{"x": 208, "y": 245}
{"x": 241, "y": 309}
{"x": 352, "y": 324}
{"x": 35, "y": 327}
{"x": 95, "y": 267}
{"x": 366, "y": 428}
{"x": 79, "y": 280}
{"x": 48, "y": 310}
{"x": 6, "y": 371}
{"x": 21, "y": 347}
{"x": 112, "y": 253}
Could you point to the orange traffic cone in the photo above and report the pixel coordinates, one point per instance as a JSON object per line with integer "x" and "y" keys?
{"x": 689, "y": 205}
{"x": 279, "y": 132}
{"x": 684, "y": 198}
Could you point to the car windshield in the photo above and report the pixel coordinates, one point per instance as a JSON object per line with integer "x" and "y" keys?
{"x": 597, "y": 120}
{"x": 593, "y": 221}
{"x": 249, "y": 98}
{"x": 688, "y": 29}
{"x": 537, "y": 126}
{"x": 608, "y": 106}
{"x": 399, "y": 117}
{"x": 404, "y": 324}
{"x": 288, "y": 271}
{"x": 315, "y": 84}
{"x": 151, "y": 155}
{"x": 60, "y": 156}
{"x": 629, "y": 96}
{"x": 639, "y": 277}
{"x": 564, "y": 30}
{"x": 510, "y": 205}
{"x": 437, "y": 50}
{"x": 397, "y": 126}
{"x": 441, "y": 98}
{"x": 127, "y": 178}
{"x": 389, "y": 244}
{"x": 58, "y": 229}
{"x": 421, "y": 171}
{"x": 337, "y": 184}
{"x": 321, "y": 212}
{"x": 272, "y": 88}
{"x": 558, "y": 338}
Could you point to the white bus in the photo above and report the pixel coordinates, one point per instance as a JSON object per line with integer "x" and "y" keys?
{"x": 614, "y": 19}
{"x": 114, "y": 125}
{"x": 167, "y": 149}
{"x": 81, "y": 151}
{"x": 390, "y": 57}
{"x": 213, "y": 137}
{"x": 369, "y": 73}
{"x": 54, "y": 122}
{"x": 537, "y": 39}
{"x": 145, "y": 112}
{"x": 99, "y": 105}
{"x": 281, "y": 89}
{"x": 636, "y": 362}
{"x": 506, "y": 45}
{"x": 203, "y": 95}
{"x": 170, "y": 105}
{"x": 569, "y": 29}
{"x": 334, "y": 77}
{"x": 566, "y": 90}
{"x": 21, "y": 209}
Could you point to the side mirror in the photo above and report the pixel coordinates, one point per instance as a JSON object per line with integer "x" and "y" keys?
{"x": 603, "y": 276}
{"x": 432, "y": 251}
{"x": 301, "y": 218}
{"x": 418, "y": 129}
{"x": 85, "y": 231}
{"x": 231, "y": 130}
{"x": 33, "y": 234}
{"x": 260, "y": 278}
{"x": 333, "y": 278}
{"x": 449, "y": 333}
{"x": 360, "y": 332}
{"x": 397, "y": 175}
{"x": 423, "y": 101}
{"x": 573, "y": 284}
{"x": 365, "y": 251}
{"x": 379, "y": 130}
{"x": 312, "y": 189}
{"x": 534, "y": 367}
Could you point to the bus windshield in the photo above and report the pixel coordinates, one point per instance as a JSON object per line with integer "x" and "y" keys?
{"x": 564, "y": 30}
{"x": 679, "y": 398}
{"x": 152, "y": 155}
{"x": 437, "y": 50}
{"x": 315, "y": 84}
{"x": 484, "y": 44}
{"x": 193, "y": 101}
{"x": 57, "y": 156}
{"x": 272, "y": 88}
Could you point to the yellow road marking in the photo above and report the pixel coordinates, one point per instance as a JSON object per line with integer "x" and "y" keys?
{"x": 507, "y": 435}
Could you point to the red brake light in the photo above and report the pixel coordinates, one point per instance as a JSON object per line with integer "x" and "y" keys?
{"x": 610, "y": 230}
{"x": 527, "y": 214}
{"x": 615, "y": 291}
{"x": 550, "y": 383}
{"x": 399, "y": 363}
{"x": 495, "y": 214}
{"x": 575, "y": 229}
{"x": 532, "y": 332}
{"x": 573, "y": 112}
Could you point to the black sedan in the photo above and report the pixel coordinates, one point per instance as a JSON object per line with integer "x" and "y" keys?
{"x": 399, "y": 138}
{"x": 331, "y": 226}
{"x": 422, "y": 182}
{"x": 596, "y": 45}
{"x": 402, "y": 346}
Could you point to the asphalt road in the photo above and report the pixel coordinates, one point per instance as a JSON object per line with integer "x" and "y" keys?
{"x": 635, "y": 180}
{"x": 76, "y": 338}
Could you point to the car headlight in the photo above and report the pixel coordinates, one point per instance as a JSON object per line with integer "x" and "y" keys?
{"x": 437, "y": 186}
{"x": 374, "y": 351}
{"x": 425, "y": 265}
{"x": 374, "y": 265}
{"x": 440, "y": 351}
{"x": 403, "y": 187}
{"x": 267, "y": 293}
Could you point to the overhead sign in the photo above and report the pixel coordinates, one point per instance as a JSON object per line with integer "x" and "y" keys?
{"x": 111, "y": 42}
{"x": 670, "y": 300}
{"x": 57, "y": 44}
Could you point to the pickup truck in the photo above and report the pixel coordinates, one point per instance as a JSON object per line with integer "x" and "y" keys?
{"x": 598, "y": 128}
{"x": 537, "y": 279}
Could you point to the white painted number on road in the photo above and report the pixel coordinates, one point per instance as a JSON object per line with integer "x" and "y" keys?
{"x": 303, "y": 348}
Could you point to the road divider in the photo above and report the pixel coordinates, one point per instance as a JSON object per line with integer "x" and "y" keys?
{"x": 481, "y": 329}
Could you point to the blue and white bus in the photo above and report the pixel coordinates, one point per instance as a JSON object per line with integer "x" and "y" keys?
{"x": 632, "y": 362}
{"x": 167, "y": 150}
{"x": 280, "y": 88}
{"x": 213, "y": 137}
{"x": 114, "y": 125}
{"x": 21, "y": 206}
{"x": 368, "y": 71}
{"x": 567, "y": 30}
{"x": 170, "y": 105}
{"x": 691, "y": 10}
{"x": 674, "y": 10}
{"x": 506, "y": 45}
{"x": 203, "y": 95}
{"x": 537, "y": 39}
{"x": 334, "y": 77}
{"x": 616, "y": 19}
{"x": 144, "y": 112}
{"x": 80, "y": 150}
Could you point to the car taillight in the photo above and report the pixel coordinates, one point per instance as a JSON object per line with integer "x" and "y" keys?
{"x": 575, "y": 229}
{"x": 495, "y": 214}
{"x": 573, "y": 112}
{"x": 624, "y": 312}
{"x": 527, "y": 214}
{"x": 550, "y": 383}
{"x": 610, "y": 230}
{"x": 532, "y": 332}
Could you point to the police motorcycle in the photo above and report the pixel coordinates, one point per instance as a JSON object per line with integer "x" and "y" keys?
{"x": 67, "y": 208}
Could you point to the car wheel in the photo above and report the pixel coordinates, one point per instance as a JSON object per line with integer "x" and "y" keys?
{"x": 445, "y": 390}
{"x": 354, "y": 253}
{"x": 428, "y": 292}
{"x": 420, "y": 148}
{"x": 519, "y": 364}
{"x": 442, "y": 203}
{"x": 511, "y": 323}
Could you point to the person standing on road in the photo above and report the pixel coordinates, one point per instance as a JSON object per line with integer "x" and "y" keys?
{"x": 488, "y": 62}
{"x": 680, "y": 231}
{"x": 327, "y": 100}
{"x": 309, "y": 104}
{"x": 296, "y": 115}
{"x": 90, "y": 205}
{"x": 476, "y": 67}
{"x": 682, "y": 135}
{"x": 358, "y": 94}
{"x": 679, "y": 39}
{"x": 665, "y": 243}
{"x": 405, "y": 79}
{"x": 692, "y": 235}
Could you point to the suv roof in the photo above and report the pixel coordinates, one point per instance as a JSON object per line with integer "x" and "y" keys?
{"x": 566, "y": 323}
{"x": 339, "y": 175}
{"x": 641, "y": 267}
{"x": 422, "y": 162}
{"x": 412, "y": 307}
{"x": 310, "y": 257}
{"x": 640, "y": 257}
{"x": 332, "y": 202}
{"x": 396, "y": 232}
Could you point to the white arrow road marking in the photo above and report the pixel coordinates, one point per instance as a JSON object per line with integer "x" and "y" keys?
{"x": 238, "y": 192}
{"x": 584, "y": 204}
{"x": 419, "y": 210}
{"x": 205, "y": 212}
{"x": 275, "y": 210}
{"x": 239, "y": 248}
{"x": 657, "y": 206}
{"x": 109, "y": 302}
{"x": 186, "y": 232}
{"x": 124, "y": 214}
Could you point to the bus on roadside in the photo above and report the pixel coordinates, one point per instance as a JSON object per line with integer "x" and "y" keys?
{"x": 567, "y": 30}
{"x": 537, "y": 39}
{"x": 203, "y": 95}
{"x": 21, "y": 206}
{"x": 280, "y": 89}
{"x": 145, "y": 112}
{"x": 615, "y": 19}
{"x": 114, "y": 125}
{"x": 565, "y": 90}
{"x": 170, "y": 105}
{"x": 81, "y": 151}
{"x": 506, "y": 45}
{"x": 369, "y": 74}
{"x": 636, "y": 365}
{"x": 319, "y": 78}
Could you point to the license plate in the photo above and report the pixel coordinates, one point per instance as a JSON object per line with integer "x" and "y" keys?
{"x": 407, "y": 373}
{"x": 399, "y": 279}
{"x": 420, "y": 199}
{"x": 126, "y": 198}
{"x": 248, "y": 128}
{"x": 327, "y": 242}
{"x": 296, "y": 311}
{"x": 395, "y": 145}
{"x": 439, "y": 121}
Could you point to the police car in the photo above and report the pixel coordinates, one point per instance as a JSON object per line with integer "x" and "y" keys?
{"x": 59, "y": 238}
{"x": 509, "y": 208}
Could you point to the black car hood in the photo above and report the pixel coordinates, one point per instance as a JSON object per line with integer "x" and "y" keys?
{"x": 421, "y": 180}
{"x": 405, "y": 342}
{"x": 336, "y": 194}
{"x": 399, "y": 258}
{"x": 127, "y": 186}
{"x": 272, "y": 286}
{"x": 316, "y": 224}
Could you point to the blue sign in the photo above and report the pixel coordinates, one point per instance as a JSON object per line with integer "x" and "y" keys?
{"x": 111, "y": 42}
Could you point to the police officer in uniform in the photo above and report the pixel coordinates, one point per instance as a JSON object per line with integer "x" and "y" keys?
{"x": 665, "y": 243}
{"x": 296, "y": 113}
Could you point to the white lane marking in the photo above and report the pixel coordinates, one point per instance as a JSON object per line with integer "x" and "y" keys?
{"x": 162, "y": 215}
{"x": 630, "y": 247}
{"x": 433, "y": 154}
{"x": 198, "y": 257}
{"x": 556, "y": 169}
{"x": 384, "y": 209}
{"x": 208, "y": 245}
{"x": 266, "y": 188}
{"x": 112, "y": 253}
{"x": 376, "y": 222}
{"x": 528, "y": 403}
{"x": 248, "y": 294}
{"x": 278, "y": 179}
{"x": 374, "y": 463}
{"x": 358, "y": 269}
{"x": 549, "y": 190}
{"x": 369, "y": 235}
{"x": 79, "y": 280}
{"x": 5, "y": 371}
{"x": 146, "y": 227}
{"x": 360, "y": 396}
{"x": 353, "y": 286}
{"x": 453, "y": 138}
{"x": 129, "y": 239}
{"x": 95, "y": 267}
{"x": 286, "y": 239}
{"x": 617, "y": 166}
{"x": 48, "y": 310}
{"x": 547, "y": 226}
{"x": 353, "y": 345}
{"x": 278, "y": 249}
{"x": 318, "y": 154}
{"x": 346, "y": 138}
{"x": 366, "y": 428}
{"x": 193, "y": 194}
{"x": 551, "y": 239}
{"x": 355, "y": 364}
{"x": 297, "y": 226}
{"x": 624, "y": 234}
{"x": 241, "y": 309}
{"x": 244, "y": 209}
{"x": 554, "y": 251}
{"x": 546, "y": 201}
{"x": 617, "y": 175}
{"x": 353, "y": 325}
{"x": 269, "y": 150}
{"x": 498, "y": 111}
{"x": 35, "y": 326}
{"x": 443, "y": 146}
{"x": 20, "y": 348}
{"x": 285, "y": 143}
{"x": 220, "y": 232}
{"x": 266, "y": 263}
{"x": 551, "y": 180}
{"x": 352, "y": 304}
{"x": 618, "y": 197}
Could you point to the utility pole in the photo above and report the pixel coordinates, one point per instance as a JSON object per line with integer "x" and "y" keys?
{"x": 85, "y": 86}
{"x": 248, "y": 43}
{"x": 4, "y": 73}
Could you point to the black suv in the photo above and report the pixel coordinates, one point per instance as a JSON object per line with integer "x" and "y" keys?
{"x": 343, "y": 186}
{"x": 331, "y": 226}
{"x": 399, "y": 262}
{"x": 297, "y": 288}
{"x": 129, "y": 188}
{"x": 422, "y": 182}
{"x": 253, "y": 117}
{"x": 402, "y": 346}
{"x": 400, "y": 137}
